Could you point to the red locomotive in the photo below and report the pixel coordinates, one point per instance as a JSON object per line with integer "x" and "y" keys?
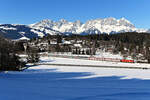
{"x": 127, "y": 61}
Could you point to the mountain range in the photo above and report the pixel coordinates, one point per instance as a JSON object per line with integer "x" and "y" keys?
{"x": 64, "y": 27}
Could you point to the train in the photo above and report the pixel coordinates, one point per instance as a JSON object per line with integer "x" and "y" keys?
{"x": 127, "y": 61}
{"x": 112, "y": 60}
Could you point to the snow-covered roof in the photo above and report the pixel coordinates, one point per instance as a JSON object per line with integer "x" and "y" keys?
{"x": 24, "y": 38}
{"x": 77, "y": 45}
{"x": 53, "y": 42}
{"x": 67, "y": 42}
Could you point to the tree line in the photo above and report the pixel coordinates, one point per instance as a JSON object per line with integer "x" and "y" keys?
{"x": 8, "y": 57}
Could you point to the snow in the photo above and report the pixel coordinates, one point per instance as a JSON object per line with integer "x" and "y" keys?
{"x": 23, "y": 55}
{"x": 40, "y": 34}
{"x": 24, "y": 38}
{"x": 77, "y": 45}
{"x": 67, "y": 42}
{"x": 102, "y": 54}
{"x": 22, "y": 32}
{"x": 66, "y": 54}
{"x": 94, "y": 72}
{"x": 47, "y": 82}
{"x": 7, "y": 28}
{"x": 98, "y": 72}
{"x": 90, "y": 62}
{"x": 50, "y": 32}
{"x": 106, "y": 25}
{"x": 72, "y": 83}
{"x": 124, "y": 19}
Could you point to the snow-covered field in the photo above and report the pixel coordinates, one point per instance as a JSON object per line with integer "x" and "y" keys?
{"x": 57, "y": 60}
{"x": 94, "y": 72}
{"x": 47, "y": 82}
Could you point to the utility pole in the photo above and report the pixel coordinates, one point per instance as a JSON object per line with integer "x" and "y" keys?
{"x": 25, "y": 47}
{"x": 93, "y": 49}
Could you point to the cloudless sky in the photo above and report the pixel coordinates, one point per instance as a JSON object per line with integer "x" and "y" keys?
{"x": 31, "y": 11}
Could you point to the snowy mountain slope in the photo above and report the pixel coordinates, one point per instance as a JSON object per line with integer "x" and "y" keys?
{"x": 16, "y": 31}
{"x": 45, "y": 27}
{"x": 23, "y": 31}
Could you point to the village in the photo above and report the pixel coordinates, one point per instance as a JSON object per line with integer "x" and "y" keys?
{"x": 83, "y": 48}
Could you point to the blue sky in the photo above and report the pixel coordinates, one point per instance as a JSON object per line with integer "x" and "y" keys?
{"x": 31, "y": 11}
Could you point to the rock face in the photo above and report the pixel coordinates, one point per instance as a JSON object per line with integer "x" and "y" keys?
{"x": 44, "y": 27}
{"x": 97, "y": 26}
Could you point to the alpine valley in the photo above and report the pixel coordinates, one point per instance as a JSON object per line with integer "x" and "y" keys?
{"x": 64, "y": 27}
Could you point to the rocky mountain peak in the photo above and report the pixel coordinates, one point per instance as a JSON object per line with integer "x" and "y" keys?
{"x": 125, "y": 22}
{"x": 63, "y": 21}
{"x": 106, "y": 25}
